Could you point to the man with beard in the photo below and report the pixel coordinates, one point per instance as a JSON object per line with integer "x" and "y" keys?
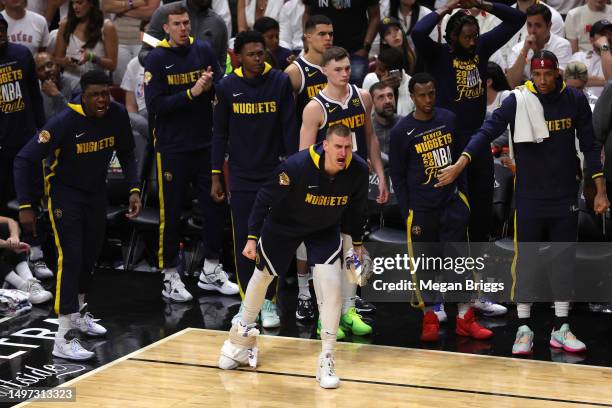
{"x": 460, "y": 68}
{"x": 206, "y": 25}
{"x": 546, "y": 190}
{"x": 254, "y": 121}
{"x": 384, "y": 117}
{"x": 56, "y": 89}
{"x": 82, "y": 139}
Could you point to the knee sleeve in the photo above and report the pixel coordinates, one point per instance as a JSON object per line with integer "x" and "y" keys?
{"x": 255, "y": 294}
{"x": 327, "y": 283}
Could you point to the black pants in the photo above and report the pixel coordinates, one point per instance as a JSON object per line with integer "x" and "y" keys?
{"x": 241, "y": 203}
{"x": 480, "y": 190}
{"x": 531, "y": 275}
{"x": 174, "y": 173}
{"x": 78, "y": 220}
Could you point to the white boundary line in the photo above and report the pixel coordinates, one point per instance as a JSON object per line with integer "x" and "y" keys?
{"x": 115, "y": 362}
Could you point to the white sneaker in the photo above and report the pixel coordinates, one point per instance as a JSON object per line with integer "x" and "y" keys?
{"x": 488, "y": 308}
{"x": 233, "y": 356}
{"x": 440, "y": 312}
{"x": 70, "y": 348}
{"x": 37, "y": 294}
{"x": 85, "y": 323}
{"x": 174, "y": 288}
{"x": 217, "y": 280}
{"x": 269, "y": 316}
{"x": 326, "y": 374}
{"x": 40, "y": 269}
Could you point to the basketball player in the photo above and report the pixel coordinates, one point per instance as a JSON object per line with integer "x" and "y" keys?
{"x": 254, "y": 120}
{"x": 307, "y": 79}
{"x": 340, "y": 102}
{"x": 82, "y": 139}
{"x": 546, "y": 190}
{"x": 311, "y": 194}
{"x": 422, "y": 144}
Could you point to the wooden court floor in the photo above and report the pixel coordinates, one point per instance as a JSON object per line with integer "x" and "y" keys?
{"x": 180, "y": 371}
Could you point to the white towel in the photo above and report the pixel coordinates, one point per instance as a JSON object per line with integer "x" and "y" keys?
{"x": 529, "y": 124}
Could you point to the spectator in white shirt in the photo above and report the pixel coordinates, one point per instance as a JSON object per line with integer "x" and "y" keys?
{"x": 133, "y": 85}
{"x": 25, "y": 27}
{"x": 592, "y": 58}
{"x": 539, "y": 38}
{"x": 579, "y": 21}
{"x": 290, "y": 21}
{"x": 221, "y": 7}
{"x": 564, "y": 6}
{"x": 576, "y": 75}
{"x": 389, "y": 69}
{"x": 249, "y": 11}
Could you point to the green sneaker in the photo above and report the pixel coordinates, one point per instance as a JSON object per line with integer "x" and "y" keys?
{"x": 339, "y": 334}
{"x": 351, "y": 321}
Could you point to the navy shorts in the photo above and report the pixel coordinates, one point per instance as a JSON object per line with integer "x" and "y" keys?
{"x": 275, "y": 250}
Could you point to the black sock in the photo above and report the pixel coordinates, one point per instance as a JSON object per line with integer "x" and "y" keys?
{"x": 526, "y": 321}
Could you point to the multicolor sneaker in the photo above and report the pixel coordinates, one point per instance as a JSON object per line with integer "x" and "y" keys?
{"x": 305, "y": 309}
{"x": 565, "y": 339}
{"x": 351, "y": 322}
{"x": 430, "y": 328}
{"x": 340, "y": 335}
{"x": 487, "y": 308}
{"x": 523, "y": 344}
{"x": 470, "y": 328}
{"x": 269, "y": 315}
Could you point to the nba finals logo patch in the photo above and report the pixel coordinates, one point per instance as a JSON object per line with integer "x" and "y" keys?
{"x": 283, "y": 179}
{"x": 147, "y": 77}
{"x": 44, "y": 136}
{"x": 58, "y": 213}
{"x": 417, "y": 230}
{"x": 356, "y": 102}
{"x": 167, "y": 176}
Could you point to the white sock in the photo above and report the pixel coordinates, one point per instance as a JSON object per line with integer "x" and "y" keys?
{"x": 81, "y": 300}
{"x": 328, "y": 283}
{"x": 303, "y": 286}
{"x": 349, "y": 288}
{"x": 36, "y": 253}
{"x": 23, "y": 270}
{"x": 562, "y": 309}
{"x": 210, "y": 265}
{"x": 462, "y": 309}
{"x": 255, "y": 295}
{"x": 64, "y": 321}
{"x": 168, "y": 271}
{"x": 15, "y": 280}
{"x": 523, "y": 310}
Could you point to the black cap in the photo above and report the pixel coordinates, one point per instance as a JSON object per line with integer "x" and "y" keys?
{"x": 599, "y": 26}
{"x": 387, "y": 22}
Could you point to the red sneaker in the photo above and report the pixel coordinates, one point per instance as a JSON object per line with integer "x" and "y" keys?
{"x": 469, "y": 328}
{"x": 431, "y": 326}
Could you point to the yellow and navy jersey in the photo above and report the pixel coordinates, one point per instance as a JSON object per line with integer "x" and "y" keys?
{"x": 182, "y": 122}
{"x": 546, "y": 171}
{"x": 254, "y": 121}
{"x": 81, "y": 148}
{"x": 313, "y": 81}
{"x": 418, "y": 151}
{"x": 301, "y": 198}
{"x": 351, "y": 113}
{"x": 21, "y": 107}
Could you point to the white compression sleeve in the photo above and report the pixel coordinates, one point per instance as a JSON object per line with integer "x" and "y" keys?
{"x": 255, "y": 295}
{"x": 327, "y": 283}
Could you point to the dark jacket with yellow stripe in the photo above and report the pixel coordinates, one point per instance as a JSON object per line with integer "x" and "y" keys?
{"x": 546, "y": 171}
{"x": 81, "y": 147}
{"x": 255, "y": 121}
{"x": 301, "y": 199}
{"x": 181, "y": 121}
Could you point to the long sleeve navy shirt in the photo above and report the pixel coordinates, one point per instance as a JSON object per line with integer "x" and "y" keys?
{"x": 546, "y": 182}
{"x": 182, "y": 122}
{"x": 255, "y": 121}
{"x": 301, "y": 198}
{"x": 81, "y": 147}
{"x": 461, "y": 81}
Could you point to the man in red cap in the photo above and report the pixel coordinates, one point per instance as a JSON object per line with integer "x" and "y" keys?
{"x": 546, "y": 188}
